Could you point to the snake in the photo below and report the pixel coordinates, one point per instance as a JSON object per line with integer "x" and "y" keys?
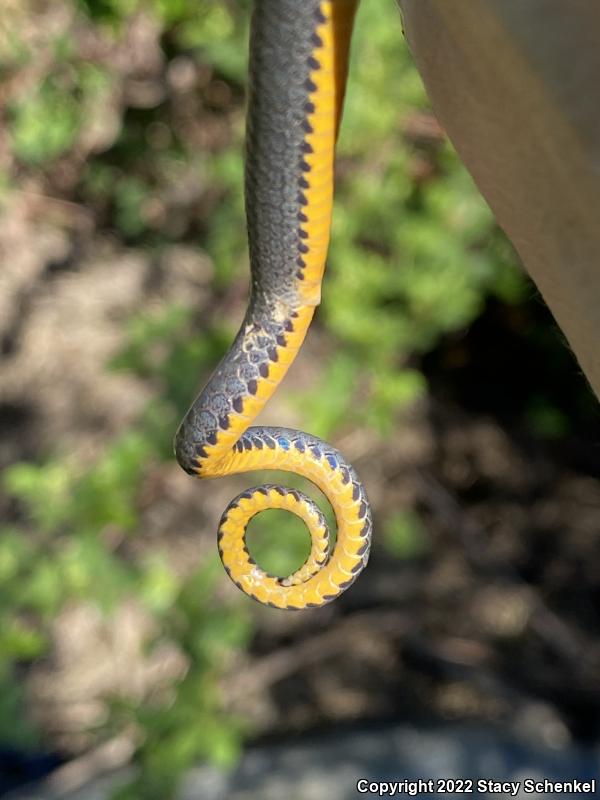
{"x": 298, "y": 64}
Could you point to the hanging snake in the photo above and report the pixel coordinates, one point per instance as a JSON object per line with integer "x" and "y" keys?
{"x": 298, "y": 65}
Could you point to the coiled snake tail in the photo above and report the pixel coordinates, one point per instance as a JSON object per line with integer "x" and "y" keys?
{"x": 298, "y": 67}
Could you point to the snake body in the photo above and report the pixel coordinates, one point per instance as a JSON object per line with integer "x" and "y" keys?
{"x": 298, "y": 66}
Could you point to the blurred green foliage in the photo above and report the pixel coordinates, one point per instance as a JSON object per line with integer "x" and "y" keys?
{"x": 414, "y": 255}
{"x": 405, "y": 535}
{"x": 44, "y": 125}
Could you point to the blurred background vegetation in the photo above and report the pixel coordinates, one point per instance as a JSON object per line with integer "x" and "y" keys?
{"x": 433, "y": 364}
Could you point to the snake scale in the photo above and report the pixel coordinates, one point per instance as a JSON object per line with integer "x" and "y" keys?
{"x": 298, "y": 65}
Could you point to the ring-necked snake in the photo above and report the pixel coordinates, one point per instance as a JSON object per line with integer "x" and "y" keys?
{"x": 298, "y": 66}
